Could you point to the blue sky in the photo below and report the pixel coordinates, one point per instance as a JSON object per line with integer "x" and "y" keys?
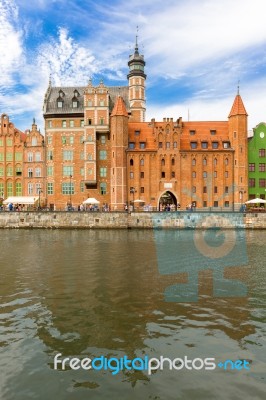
{"x": 196, "y": 51}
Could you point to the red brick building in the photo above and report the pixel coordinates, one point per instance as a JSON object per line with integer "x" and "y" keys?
{"x": 98, "y": 145}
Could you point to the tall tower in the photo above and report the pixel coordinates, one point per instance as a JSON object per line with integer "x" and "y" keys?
{"x": 119, "y": 144}
{"x": 136, "y": 83}
{"x": 238, "y": 134}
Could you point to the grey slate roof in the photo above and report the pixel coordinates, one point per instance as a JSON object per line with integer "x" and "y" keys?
{"x": 52, "y": 95}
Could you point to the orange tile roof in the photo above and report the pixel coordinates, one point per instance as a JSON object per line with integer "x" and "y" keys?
{"x": 119, "y": 107}
{"x": 238, "y": 107}
{"x": 146, "y": 134}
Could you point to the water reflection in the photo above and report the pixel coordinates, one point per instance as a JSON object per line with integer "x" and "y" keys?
{"x": 83, "y": 293}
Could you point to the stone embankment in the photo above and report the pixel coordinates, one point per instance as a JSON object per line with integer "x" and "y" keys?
{"x": 143, "y": 220}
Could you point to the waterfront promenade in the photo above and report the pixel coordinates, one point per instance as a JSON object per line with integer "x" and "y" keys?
{"x": 124, "y": 220}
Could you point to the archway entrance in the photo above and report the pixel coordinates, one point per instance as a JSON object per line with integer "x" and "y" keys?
{"x": 168, "y": 202}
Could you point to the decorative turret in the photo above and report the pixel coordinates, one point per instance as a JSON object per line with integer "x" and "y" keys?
{"x": 136, "y": 81}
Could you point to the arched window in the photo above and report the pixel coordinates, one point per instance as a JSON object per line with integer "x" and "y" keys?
{"x": 193, "y": 161}
{"x": 163, "y": 162}
{"x": 204, "y": 161}
{"x": 226, "y": 161}
{"x": 173, "y": 161}
{"x": 142, "y": 161}
{"x": 215, "y": 161}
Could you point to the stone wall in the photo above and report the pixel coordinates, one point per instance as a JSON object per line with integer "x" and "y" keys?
{"x": 94, "y": 220}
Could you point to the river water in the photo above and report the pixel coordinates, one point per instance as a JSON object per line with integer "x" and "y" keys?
{"x": 111, "y": 293}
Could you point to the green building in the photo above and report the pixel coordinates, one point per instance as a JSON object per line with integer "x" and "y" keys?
{"x": 257, "y": 162}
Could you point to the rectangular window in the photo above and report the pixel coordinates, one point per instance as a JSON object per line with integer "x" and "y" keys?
{"x": 205, "y": 203}
{"x": 131, "y": 175}
{"x": 226, "y": 174}
{"x": 204, "y": 189}
{"x": 103, "y": 172}
{"x": 215, "y": 204}
{"x": 142, "y": 189}
{"x": 204, "y": 145}
{"x": 67, "y": 155}
{"x": 30, "y": 188}
{"x": 89, "y": 121}
{"x": 50, "y": 188}
{"x": 173, "y": 174}
{"x": 262, "y": 182}
{"x": 9, "y": 156}
{"x": 101, "y": 121}
{"x": 137, "y": 133}
{"x": 213, "y": 132}
{"x": 67, "y": 170}
{"x": 50, "y": 170}
{"x": 193, "y": 145}
{"x": 71, "y": 123}
{"x": 50, "y": 124}
{"x": 64, "y": 140}
{"x": 103, "y": 139}
{"x": 59, "y": 104}
{"x": 89, "y": 103}
{"x": 168, "y": 145}
{"x": 67, "y": 188}
{"x": 251, "y": 167}
{"x": 103, "y": 155}
{"x": 163, "y": 174}
{"x": 2, "y": 158}
{"x": 175, "y": 145}
{"x": 30, "y": 157}
{"x": 215, "y": 145}
{"x": 261, "y": 167}
{"x": 160, "y": 145}
{"x": 226, "y": 203}
{"x": 82, "y": 123}
{"x": 9, "y": 171}
{"x": 192, "y": 132}
{"x": 49, "y": 155}
{"x": 64, "y": 124}
{"x": 9, "y": 142}
{"x": 18, "y": 171}
{"x": 82, "y": 155}
{"x": 71, "y": 139}
{"x": 18, "y": 156}
{"x": 226, "y": 190}
{"x": 251, "y": 182}
{"x": 103, "y": 187}
{"x": 38, "y": 172}
{"x": 204, "y": 174}
{"x": 131, "y": 145}
{"x": 18, "y": 189}
{"x": 9, "y": 187}
{"x": 142, "y": 174}
{"x": 49, "y": 139}
{"x": 37, "y": 156}
{"x": 262, "y": 152}
{"x": 30, "y": 173}
{"x": 226, "y": 145}
{"x": 215, "y": 189}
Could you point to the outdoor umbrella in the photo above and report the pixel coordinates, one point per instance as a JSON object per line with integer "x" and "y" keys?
{"x": 91, "y": 200}
{"x": 255, "y": 201}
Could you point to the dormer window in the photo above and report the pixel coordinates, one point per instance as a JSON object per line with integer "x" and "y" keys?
{"x": 59, "y": 104}
{"x": 226, "y": 145}
{"x": 75, "y": 103}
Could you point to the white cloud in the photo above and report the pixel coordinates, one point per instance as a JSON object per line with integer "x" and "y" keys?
{"x": 11, "y": 49}
{"x": 66, "y": 61}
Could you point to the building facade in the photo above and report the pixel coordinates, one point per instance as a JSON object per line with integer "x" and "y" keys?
{"x": 257, "y": 163}
{"x": 97, "y": 144}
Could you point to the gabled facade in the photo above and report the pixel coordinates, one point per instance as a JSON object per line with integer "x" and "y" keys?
{"x": 257, "y": 162}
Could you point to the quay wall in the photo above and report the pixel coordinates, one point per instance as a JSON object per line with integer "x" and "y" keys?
{"x": 123, "y": 220}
